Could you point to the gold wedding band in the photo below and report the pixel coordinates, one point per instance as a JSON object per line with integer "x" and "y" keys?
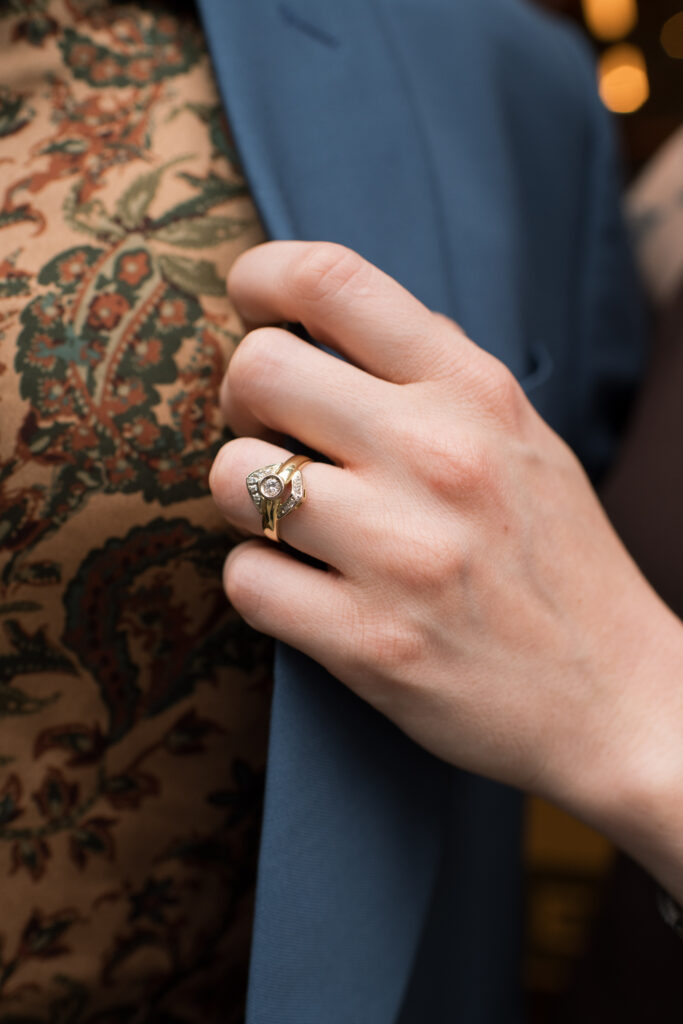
{"x": 267, "y": 488}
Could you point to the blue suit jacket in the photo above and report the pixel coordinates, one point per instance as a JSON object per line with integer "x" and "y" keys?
{"x": 458, "y": 144}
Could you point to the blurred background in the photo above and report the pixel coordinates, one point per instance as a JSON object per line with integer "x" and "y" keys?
{"x": 595, "y": 948}
{"x": 639, "y": 63}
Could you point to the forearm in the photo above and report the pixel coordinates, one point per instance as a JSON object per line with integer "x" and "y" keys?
{"x": 632, "y": 790}
{"x": 644, "y": 499}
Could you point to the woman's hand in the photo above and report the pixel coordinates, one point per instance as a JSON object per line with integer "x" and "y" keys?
{"x": 476, "y": 594}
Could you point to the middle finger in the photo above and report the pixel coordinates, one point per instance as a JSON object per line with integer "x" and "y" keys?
{"x": 277, "y": 382}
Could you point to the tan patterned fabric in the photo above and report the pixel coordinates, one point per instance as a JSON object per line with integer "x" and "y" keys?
{"x": 133, "y": 701}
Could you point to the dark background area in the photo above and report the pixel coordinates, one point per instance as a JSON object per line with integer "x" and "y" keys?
{"x": 596, "y": 951}
{"x": 645, "y": 129}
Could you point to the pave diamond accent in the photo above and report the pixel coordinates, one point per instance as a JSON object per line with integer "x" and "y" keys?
{"x": 255, "y": 478}
{"x": 296, "y": 496}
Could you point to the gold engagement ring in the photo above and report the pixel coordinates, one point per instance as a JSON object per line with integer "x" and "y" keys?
{"x": 267, "y": 487}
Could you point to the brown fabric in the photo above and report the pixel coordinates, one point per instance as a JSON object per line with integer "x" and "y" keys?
{"x": 133, "y": 701}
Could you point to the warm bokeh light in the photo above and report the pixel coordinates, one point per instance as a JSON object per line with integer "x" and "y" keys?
{"x": 610, "y": 19}
{"x": 622, "y": 78}
{"x": 672, "y": 36}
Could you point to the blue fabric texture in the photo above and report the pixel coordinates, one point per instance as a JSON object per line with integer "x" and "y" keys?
{"x": 462, "y": 148}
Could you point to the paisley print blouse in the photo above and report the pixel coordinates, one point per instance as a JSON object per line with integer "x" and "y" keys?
{"x": 133, "y": 701}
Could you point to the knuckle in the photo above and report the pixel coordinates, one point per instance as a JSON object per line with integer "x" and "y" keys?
{"x": 458, "y": 465}
{"x": 324, "y": 271}
{"x": 251, "y": 361}
{"x": 242, "y": 587}
{"x": 473, "y": 470}
{"x": 428, "y": 564}
{"x": 217, "y": 471}
{"x": 447, "y": 568}
{"x": 503, "y": 397}
{"x": 226, "y": 486}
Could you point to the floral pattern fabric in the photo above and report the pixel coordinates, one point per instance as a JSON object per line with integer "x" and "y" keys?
{"x": 133, "y": 700}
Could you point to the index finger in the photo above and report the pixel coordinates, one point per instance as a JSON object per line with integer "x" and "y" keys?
{"x": 348, "y": 304}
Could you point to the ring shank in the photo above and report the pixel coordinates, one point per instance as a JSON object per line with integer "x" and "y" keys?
{"x": 271, "y": 512}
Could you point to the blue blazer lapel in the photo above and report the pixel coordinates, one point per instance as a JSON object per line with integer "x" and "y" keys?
{"x": 351, "y": 833}
{"x": 326, "y": 126}
{"x": 347, "y": 135}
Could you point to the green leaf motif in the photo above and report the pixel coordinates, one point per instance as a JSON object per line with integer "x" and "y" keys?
{"x": 14, "y": 607}
{"x": 15, "y": 284}
{"x": 196, "y": 277}
{"x": 72, "y": 147}
{"x": 134, "y": 203}
{"x": 16, "y": 216}
{"x": 211, "y": 191}
{"x": 90, "y": 217}
{"x": 14, "y": 701}
{"x": 14, "y": 113}
{"x": 201, "y": 232}
{"x": 39, "y": 573}
{"x": 213, "y": 116}
{"x": 27, "y": 653}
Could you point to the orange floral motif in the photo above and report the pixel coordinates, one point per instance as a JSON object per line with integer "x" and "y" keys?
{"x": 172, "y": 313}
{"x": 119, "y": 470}
{"x": 82, "y": 437}
{"x": 172, "y": 54}
{"x": 106, "y": 311}
{"x": 57, "y": 396}
{"x": 73, "y": 267}
{"x": 134, "y": 267}
{"x": 142, "y": 432}
{"x": 41, "y": 355}
{"x": 149, "y": 351}
{"x": 104, "y": 70}
{"x": 169, "y": 473}
{"x": 47, "y": 310}
{"x": 140, "y": 70}
{"x": 82, "y": 55}
{"x": 128, "y": 393}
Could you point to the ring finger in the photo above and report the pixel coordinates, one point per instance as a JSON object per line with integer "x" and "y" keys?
{"x": 320, "y": 527}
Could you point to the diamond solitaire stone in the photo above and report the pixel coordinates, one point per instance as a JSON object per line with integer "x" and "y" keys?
{"x": 271, "y": 487}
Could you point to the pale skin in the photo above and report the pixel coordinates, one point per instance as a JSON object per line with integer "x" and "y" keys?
{"x": 475, "y": 593}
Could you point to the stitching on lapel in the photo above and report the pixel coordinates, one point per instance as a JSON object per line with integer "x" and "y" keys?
{"x": 294, "y": 20}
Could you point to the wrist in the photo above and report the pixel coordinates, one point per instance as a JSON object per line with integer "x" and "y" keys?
{"x": 630, "y": 786}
